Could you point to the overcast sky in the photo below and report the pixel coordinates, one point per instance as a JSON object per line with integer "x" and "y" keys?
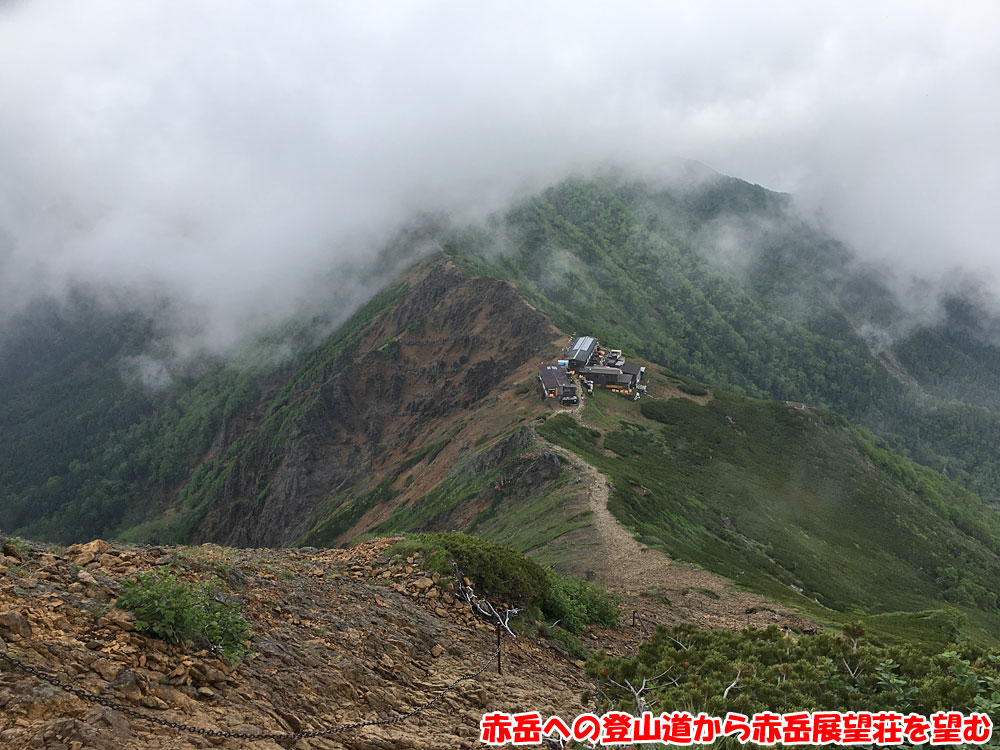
{"x": 228, "y": 151}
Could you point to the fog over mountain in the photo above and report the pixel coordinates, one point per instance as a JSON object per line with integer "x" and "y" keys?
{"x": 244, "y": 159}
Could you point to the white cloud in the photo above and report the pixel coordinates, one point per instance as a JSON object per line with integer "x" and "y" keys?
{"x": 230, "y": 153}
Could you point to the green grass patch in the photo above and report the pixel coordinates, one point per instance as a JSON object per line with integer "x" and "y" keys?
{"x": 533, "y": 524}
{"x": 705, "y": 592}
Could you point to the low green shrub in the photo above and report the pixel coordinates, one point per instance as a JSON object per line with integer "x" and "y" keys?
{"x": 673, "y": 411}
{"x": 572, "y": 645}
{"x": 496, "y": 571}
{"x": 574, "y": 603}
{"x": 657, "y": 410}
{"x": 717, "y": 671}
{"x": 503, "y": 574}
{"x": 686, "y": 383}
{"x": 175, "y": 611}
{"x": 693, "y": 389}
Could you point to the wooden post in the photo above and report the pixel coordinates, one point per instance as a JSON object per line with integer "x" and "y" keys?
{"x": 499, "y": 668}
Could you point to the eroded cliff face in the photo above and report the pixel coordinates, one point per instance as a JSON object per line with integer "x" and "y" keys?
{"x": 428, "y": 361}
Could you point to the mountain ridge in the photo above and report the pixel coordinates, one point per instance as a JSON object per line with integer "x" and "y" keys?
{"x": 421, "y": 412}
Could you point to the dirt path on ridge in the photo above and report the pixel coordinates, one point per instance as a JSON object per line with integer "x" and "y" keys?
{"x": 651, "y": 582}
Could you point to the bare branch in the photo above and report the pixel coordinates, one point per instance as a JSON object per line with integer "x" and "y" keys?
{"x": 684, "y": 646}
{"x": 482, "y": 608}
{"x": 725, "y": 693}
{"x": 639, "y": 693}
{"x": 853, "y": 672}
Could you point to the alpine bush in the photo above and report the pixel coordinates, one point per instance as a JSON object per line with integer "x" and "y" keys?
{"x": 496, "y": 571}
{"x": 574, "y": 603}
{"x": 175, "y": 611}
{"x": 717, "y": 671}
{"x": 499, "y": 572}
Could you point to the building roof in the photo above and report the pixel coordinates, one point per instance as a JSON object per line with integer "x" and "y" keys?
{"x": 554, "y": 376}
{"x": 581, "y": 348}
{"x": 600, "y": 370}
{"x": 632, "y": 368}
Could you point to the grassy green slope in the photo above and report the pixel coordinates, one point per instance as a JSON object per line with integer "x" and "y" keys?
{"x": 784, "y": 500}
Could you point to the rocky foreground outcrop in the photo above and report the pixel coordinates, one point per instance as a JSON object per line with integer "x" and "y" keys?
{"x": 337, "y": 636}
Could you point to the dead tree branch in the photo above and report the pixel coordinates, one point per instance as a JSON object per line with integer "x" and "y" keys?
{"x": 725, "y": 693}
{"x": 482, "y": 608}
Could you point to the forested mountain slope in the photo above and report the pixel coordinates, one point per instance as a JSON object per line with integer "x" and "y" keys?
{"x": 720, "y": 279}
{"x": 68, "y": 417}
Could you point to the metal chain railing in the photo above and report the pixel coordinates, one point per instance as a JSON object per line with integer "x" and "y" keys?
{"x": 129, "y": 711}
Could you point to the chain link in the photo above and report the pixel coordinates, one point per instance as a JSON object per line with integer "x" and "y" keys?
{"x": 129, "y": 711}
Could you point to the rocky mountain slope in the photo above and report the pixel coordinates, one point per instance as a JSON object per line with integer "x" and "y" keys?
{"x": 421, "y": 413}
{"x": 338, "y": 636}
{"x": 714, "y": 278}
{"x": 357, "y": 410}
